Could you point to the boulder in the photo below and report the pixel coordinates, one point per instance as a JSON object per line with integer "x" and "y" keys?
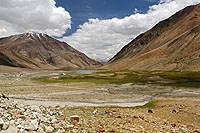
{"x": 33, "y": 125}
{"x": 5, "y": 126}
{"x": 1, "y": 124}
{"x": 11, "y": 129}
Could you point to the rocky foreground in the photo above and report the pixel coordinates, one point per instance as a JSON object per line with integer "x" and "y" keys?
{"x": 16, "y": 118}
{"x": 162, "y": 115}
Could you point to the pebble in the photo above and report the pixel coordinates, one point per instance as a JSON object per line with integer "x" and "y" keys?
{"x": 61, "y": 130}
{"x": 70, "y": 126}
{"x": 74, "y": 117}
{"x": 113, "y": 130}
{"x": 141, "y": 116}
{"x": 173, "y": 124}
{"x": 94, "y": 112}
{"x": 49, "y": 129}
{"x": 136, "y": 116}
{"x": 100, "y": 129}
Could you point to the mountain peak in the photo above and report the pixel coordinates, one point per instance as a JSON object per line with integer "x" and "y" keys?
{"x": 34, "y": 35}
{"x": 38, "y": 50}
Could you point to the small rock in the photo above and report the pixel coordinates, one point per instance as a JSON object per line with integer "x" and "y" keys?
{"x": 40, "y": 130}
{"x": 74, "y": 122}
{"x": 62, "y": 117}
{"x": 108, "y": 111}
{"x": 20, "y": 127}
{"x": 21, "y": 131}
{"x": 35, "y": 108}
{"x": 94, "y": 112}
{"x": 5, "y": 126}
{"x": 74, "y": 117}
{"x": 150, "y": 111}
{"x": 1, "y": 124}
{"x": 113, "y": 130}
{"x": 22, "y": 116}
{"x": 49, "y": 129}
{"x": 119, "y": 116}
{"x": 3, "y": 96}
{"x": 33, "y": 125}
{"x": 141, "y": 116}
{"x": 100, "y": 129}
{"x": 115, "y": 110}
{"x": 174, "y": 111}
{"x": 136, "y": 116}
{"x": 12, "y": 122}
{"x": 21, "y": 112}
{"x": 191, "y": 126}
{"x": 129, "y": 121}
{"x": 141, "y": 127}
{"x": 173, "y": 124}
{"x": 11, "y": 129}
{"x": 70, "y": 126}
{"x": 61, "y": 130}
{"x": 197, "y": 131}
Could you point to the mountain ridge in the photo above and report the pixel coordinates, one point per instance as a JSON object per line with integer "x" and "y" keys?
{"x": 40, "y": 51}
{"x": 141, "y": 54}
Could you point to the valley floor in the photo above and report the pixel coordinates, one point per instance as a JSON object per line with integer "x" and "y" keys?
{"x": 105, "y": 101}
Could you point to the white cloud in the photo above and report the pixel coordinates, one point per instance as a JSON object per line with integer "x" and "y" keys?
{"x": 104, "y": 38}
{"x": 18, "y": 16}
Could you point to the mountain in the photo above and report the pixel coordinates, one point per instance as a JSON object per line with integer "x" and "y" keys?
{"x": 40, "y": 51}
{"x": 172, "y": 44}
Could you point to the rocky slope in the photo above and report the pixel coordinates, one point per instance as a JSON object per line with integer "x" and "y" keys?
{"x": 37, "y": 50}
{"x": 172, "y": 44}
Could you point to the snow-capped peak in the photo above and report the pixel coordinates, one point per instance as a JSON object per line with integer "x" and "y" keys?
{"x": 34, "y": 35}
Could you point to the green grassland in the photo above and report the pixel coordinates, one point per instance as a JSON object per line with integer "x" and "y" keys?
{"x": 163, "y": 78}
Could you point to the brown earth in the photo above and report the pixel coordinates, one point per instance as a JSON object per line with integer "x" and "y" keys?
{"x": 170, "y": 115}
{"x": 172, "y": 44}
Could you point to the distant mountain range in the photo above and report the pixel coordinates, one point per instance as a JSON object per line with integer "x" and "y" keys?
{"x": 173, "y": 44}
{"x": 40, "y": 51}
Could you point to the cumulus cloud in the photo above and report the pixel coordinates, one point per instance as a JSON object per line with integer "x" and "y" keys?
{"x": 101, "y": 39}
{"x": 18, "y": 16}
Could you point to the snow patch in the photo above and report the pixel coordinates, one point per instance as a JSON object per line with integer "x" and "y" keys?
{"x": 34, "y": 35}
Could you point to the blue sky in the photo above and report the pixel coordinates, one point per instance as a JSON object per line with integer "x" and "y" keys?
{"x": 82, "y": 10}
